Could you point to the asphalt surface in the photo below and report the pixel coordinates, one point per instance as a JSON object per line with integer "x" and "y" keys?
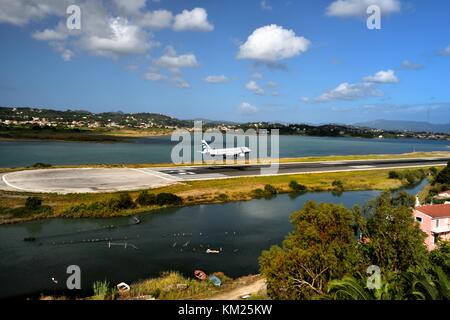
{"x": 198, "y": 173}
{"x": 91, "y": 180}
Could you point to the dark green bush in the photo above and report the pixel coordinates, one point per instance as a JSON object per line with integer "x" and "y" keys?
{"x": 41, "y": 165}
{"x": 33, "y": 203}
{"x": 394, "y": 175}
{"x": 296, "y": 187}
{"x": 146, "y": 199}
{"x": 338, "y": 184}
{"x": 270, "y": 190}
{"x": 124, "y": 201}
{"x": 163, "y": 199}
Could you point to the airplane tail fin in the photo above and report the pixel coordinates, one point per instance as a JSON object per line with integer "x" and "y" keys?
{"x": 205, "y": 146}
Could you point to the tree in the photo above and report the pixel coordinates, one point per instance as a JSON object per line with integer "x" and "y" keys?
{"x": 440, "y": 256}
{"x": 168, "y": 199}
{"x": 146, "y": 199}
{"x": 395, "y": 241}
{"x": 33, "y": 203}
{"x": 321, "y": 247}
{"x": 443, "y": 176}
{"x": 296, "y": 187}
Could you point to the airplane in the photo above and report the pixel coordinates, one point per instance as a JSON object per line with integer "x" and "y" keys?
{"x": 235, "y": 152}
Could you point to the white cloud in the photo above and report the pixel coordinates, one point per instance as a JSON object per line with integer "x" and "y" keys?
{"x": 272, "y": 43}
{"x": 253, "y": 86}
{"x": 123, "y": 38}
{"x": 216, "y": 79}
{"x": 49, "y": 35}
{"x": 181, "y": 83}
{"x": 130, "y": 6}
{"x": 348, "y": 91}
{"x": 21, "y": 12}
{"x": 408, "y": 65}
{"x": 153, "y": 76}
{"x": 356, "y": 8}
{"x": 157, "y": 19}
{"x": 246, "y": 108}
{"x": 265, "y": 5}
{"x": 171, "y": 60}
{"x": 387, "y": 76}
{"x": 196, "y": 19}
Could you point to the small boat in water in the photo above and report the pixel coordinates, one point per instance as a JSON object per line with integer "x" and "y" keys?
{"x": 215, "y": 280}
{"x": 200, "y": 275}
{"x": 209, "y": 251}
{"x": 136, "y": 220}
{"x": 29, "y": 239}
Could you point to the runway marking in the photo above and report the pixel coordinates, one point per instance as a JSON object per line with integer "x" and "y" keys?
{"x": 155, "y": 175}
{"x": 11, "y": 185}
{"x": 332, "y": 162}
{"x": 362, "y": 167}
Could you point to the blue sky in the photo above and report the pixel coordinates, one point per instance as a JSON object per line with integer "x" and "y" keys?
{"x": 291, "y": 61}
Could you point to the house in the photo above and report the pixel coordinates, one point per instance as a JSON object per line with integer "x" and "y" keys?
{"x": 434, "y": 220}
{"x": 445, "y": 194}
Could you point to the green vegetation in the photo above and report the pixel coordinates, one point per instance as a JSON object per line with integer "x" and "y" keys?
{"x": 190, "y": 193}
{"x": 440, "y": 182}
{"x": 296, "y": 187}
{"x": 32, "y": 207}
{"x": 101, "y": 290}
{"x": 443, "y": 177}
{"x": 327, "y": 254}
{"x": 409, "y": 176}
{"x": 146, "y": 199}
{"x": 40, "y": 165}
{"x": 123, "y": 203}
{"x": 338, "y": 185}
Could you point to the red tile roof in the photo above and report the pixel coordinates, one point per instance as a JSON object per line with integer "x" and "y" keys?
{"x": 436, "y": 210}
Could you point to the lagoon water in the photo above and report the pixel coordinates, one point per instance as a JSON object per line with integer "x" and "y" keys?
{"x": 158, "y": 150}
{"x": 170, "y": 239}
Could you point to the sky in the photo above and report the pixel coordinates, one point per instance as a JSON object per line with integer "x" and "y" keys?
{"x": 311, "y": 61}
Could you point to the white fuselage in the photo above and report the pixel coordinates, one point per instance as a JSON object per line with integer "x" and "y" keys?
{"x": 230, "y": 152}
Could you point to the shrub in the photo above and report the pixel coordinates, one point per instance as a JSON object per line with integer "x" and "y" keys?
{"x": 222, "y": 197}
{"x": 270, "y": 190}
{"x": 124, "y": 201}
{"x": 444, "y": 175}
{"x": 258, "y": 193}
{"x": 41, "y": 165}
{"x": 33, "y": 203}
{"x": 146, "y": 199}
{"x": 101, "y": 289}
{"x": 168, "y": 199}
{"x": 434, "y": 171}
{"x": 338, "y": 184}
{"x": 295, "y": 186}
{"x": 394, "y": 175}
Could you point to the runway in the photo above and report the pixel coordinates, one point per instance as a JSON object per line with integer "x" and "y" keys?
{"x": 97, "y": 180}
{"x": 223, "y": 171}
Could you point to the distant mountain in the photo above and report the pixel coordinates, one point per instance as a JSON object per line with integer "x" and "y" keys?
{"x": 412, "y": 126}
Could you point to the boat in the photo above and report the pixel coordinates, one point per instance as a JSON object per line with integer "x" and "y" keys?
{"x": 215, "y": 280}
{"x": 136, "y": 220}
{"x": 200, "y": 275}
{"x": 29, "y": 239}
{"x": 212, "y": 251}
